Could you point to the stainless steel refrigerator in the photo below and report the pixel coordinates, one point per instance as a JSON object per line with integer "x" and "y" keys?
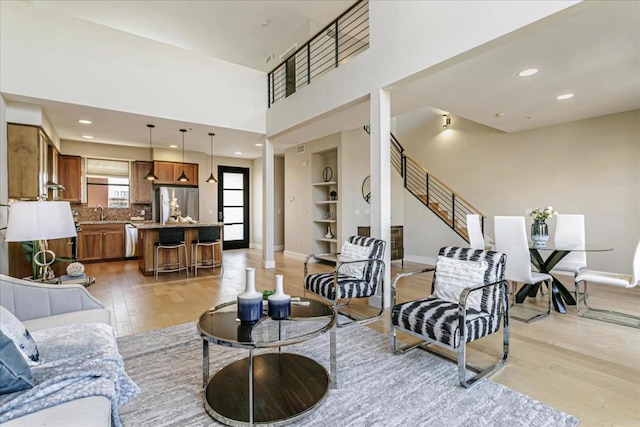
{"x": 171, "y": 202}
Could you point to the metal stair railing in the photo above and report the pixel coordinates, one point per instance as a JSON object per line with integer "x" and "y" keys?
{"x": 445, "y": 203}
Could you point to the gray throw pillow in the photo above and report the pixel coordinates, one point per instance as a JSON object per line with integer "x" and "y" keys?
{"x": 15, "y": 374}
{"x": 16, "y": 331}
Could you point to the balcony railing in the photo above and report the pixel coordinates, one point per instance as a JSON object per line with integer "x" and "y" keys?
{"x": 336, "y": 44}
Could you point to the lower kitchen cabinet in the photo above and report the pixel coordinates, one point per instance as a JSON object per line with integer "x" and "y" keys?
{"x": 100, "y": 242}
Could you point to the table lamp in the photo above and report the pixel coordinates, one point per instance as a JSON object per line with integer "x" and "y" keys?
{"x": 42, "y": 220}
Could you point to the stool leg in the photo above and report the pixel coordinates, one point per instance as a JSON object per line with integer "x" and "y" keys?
{"x": 155, "y": 263}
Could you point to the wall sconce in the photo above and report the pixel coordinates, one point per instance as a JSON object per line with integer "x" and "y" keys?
{"x": 446, "y": 121}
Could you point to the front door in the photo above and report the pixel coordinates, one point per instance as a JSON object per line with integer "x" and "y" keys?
{"x": 233, "y": 206}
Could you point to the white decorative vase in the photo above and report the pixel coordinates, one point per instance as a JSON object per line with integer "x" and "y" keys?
{"x": 279, "y": 303}
{"x": 329, "y": 235}
{"x": 250, "y": 302}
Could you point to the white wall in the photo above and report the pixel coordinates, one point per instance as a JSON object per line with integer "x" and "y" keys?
{"x": 297, "y": 194}
{"x": 407, "y": 37}
{"x": 53, "y": 56}
{"x": 589, "y": 166}
{"x": 4, "y": 188}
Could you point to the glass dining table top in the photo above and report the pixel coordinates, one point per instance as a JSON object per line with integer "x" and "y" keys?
{"x": 551, "y": 246}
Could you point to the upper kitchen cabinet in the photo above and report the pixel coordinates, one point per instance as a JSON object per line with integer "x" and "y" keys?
{"x": 26, "y": 160}
{"x": 168, "y": 172}
{"x": 142, "y": 187}
{"x": 70, "y": 176}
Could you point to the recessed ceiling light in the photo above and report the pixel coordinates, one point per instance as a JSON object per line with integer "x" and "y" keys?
{"x": 528, "y": 72}
{"x": 259, "y": 145}
{"x": 173, "y": 146}
{"x": 87, "y": 136}
{"x": 265, "y": 23}
{"x": 565, "y": 96}
{"x": 500, "y": 115}
{"x": 238, "y": 152}
{"x": 84, "y": 122}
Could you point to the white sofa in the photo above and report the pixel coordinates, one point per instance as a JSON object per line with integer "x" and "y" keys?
{"x": 41, "y": 306}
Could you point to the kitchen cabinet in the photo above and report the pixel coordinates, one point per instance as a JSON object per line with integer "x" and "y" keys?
{"x": 70, "y": 176}
{"x": 168, "y": 172}
{"x": 26, "y": 161}
{"x": 142, "y": 187}
{"x": 100, "y": 242}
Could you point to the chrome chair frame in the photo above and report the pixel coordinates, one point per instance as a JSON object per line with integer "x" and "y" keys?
{"x": 617, "y": 317}
{"x": 461, "y": 350}
{"x": 167, "y": 267}
{"x": 334, "y": 302}
{"x": 205, "y": 263}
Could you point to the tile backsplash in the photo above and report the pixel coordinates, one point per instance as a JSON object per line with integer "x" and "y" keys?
{"x": 112, "y": 214}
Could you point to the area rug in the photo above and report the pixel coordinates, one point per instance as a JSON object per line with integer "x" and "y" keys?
{"x": 376, "y": 387}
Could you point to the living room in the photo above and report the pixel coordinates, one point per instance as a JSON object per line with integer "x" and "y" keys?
{"x": 500, "y": 159}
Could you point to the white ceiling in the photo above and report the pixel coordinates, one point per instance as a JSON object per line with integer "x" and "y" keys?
{"x": 591, "y": 50}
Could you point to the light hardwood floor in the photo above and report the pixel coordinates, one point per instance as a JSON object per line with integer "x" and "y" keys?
{"x": 588, "y": 368}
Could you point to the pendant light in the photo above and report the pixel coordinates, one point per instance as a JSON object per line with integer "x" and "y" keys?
{"x": 211, "y": 178}
{"x": 150, "y": 176}
{"x": 183, "y": 177}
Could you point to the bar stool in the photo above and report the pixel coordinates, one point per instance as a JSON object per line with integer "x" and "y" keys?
{"x": 207, "y": 237}
{"x": 169, "y": 239}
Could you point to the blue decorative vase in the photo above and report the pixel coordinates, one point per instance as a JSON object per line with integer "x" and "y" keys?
{"x": 250, "y": 302}
{"x": 279, "y": 303}
{"x": 539, "y": 233}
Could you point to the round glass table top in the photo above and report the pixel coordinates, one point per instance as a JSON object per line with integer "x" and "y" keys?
{"x": 558, "y": 246}
{"x": 308, "y": 319}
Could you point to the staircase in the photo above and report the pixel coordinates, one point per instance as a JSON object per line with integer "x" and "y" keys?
{"x": 445, "y": 203}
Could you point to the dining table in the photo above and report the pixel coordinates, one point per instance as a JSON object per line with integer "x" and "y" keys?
{"x": 560, "y": 295}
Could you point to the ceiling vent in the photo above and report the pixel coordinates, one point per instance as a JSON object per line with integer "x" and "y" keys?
{"x": 270, "y": 58}
{"x": 288, "y": 52}
{"x": 300, "y": 149}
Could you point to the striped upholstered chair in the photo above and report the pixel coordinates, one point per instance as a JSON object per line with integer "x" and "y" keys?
{"x": 469, "y": 299}
{"x": 358, "y": 274}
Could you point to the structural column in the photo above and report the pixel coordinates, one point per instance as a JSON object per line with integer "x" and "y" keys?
{"x": 268, "y": 217}
{"x": 380, "y": 137}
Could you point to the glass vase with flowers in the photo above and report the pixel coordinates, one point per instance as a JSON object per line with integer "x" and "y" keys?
{"x": 539, "y": 228}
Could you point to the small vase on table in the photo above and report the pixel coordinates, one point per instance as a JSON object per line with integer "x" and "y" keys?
{"x": 279, "y": 303}
{"x": 250, "y": 301}
{"x": 539, "y": 233}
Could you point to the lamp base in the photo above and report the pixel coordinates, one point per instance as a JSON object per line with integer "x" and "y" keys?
{"x": 43, "y": 259}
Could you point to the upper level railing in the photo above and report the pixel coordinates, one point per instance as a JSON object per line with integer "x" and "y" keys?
{"x": 433, "y": 193}
{"x": 338, "y": 42}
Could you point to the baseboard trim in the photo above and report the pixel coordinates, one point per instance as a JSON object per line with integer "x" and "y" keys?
{"x": 295, "y": 255}
{"x": 420, "y": 259}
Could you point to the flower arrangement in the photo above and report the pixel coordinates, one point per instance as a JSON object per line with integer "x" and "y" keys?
{"x": 543, "y": 214}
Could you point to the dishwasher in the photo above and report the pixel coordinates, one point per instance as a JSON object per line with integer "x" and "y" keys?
{"x": 131, "y": 241}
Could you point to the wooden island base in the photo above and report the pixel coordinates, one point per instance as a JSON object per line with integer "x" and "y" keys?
{"x": 148, "y": 237}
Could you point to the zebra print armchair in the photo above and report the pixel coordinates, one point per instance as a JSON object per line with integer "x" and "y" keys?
{"x": 453, "y": 321}
{"x": 341, "y": 285}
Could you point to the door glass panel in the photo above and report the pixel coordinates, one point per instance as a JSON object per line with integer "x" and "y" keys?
{"x": 234, "y": 232}
{"x": 233, "y": 215}
{"x": 233, "y": 198}
{"x": 233, "y": 181}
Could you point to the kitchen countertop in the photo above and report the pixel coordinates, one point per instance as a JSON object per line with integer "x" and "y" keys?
{"x": 152, "y": 225}
{"x": 113, "y": 221}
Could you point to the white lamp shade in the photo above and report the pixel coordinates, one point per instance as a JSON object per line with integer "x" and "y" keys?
{"x": 40, "y": 221}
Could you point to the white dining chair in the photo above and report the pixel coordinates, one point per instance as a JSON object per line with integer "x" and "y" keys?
{"x": 570, "y": 232}
{"x": 611, "y": 279}
{"x": 474, "y": 231}
{"x": 511, "y": 239}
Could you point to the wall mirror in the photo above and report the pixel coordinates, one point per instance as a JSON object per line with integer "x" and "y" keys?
{"x": 366, "y": 189}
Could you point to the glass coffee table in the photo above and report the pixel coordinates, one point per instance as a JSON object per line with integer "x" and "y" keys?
{"x": 273, "y": 388}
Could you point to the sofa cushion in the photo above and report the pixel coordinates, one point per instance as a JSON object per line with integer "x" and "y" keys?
{"x": 98, "y": 315}
{"x": 18, "y": 333}
{"x": 15, "y": 374}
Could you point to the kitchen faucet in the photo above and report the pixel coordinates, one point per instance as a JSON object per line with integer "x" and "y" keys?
{"x": 102, "y": 215}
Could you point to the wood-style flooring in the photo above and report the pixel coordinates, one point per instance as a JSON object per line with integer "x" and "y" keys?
{"x": 588, "y": 368}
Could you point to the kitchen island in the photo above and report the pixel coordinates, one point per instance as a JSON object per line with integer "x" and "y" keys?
{"x": 148, "y": 237}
